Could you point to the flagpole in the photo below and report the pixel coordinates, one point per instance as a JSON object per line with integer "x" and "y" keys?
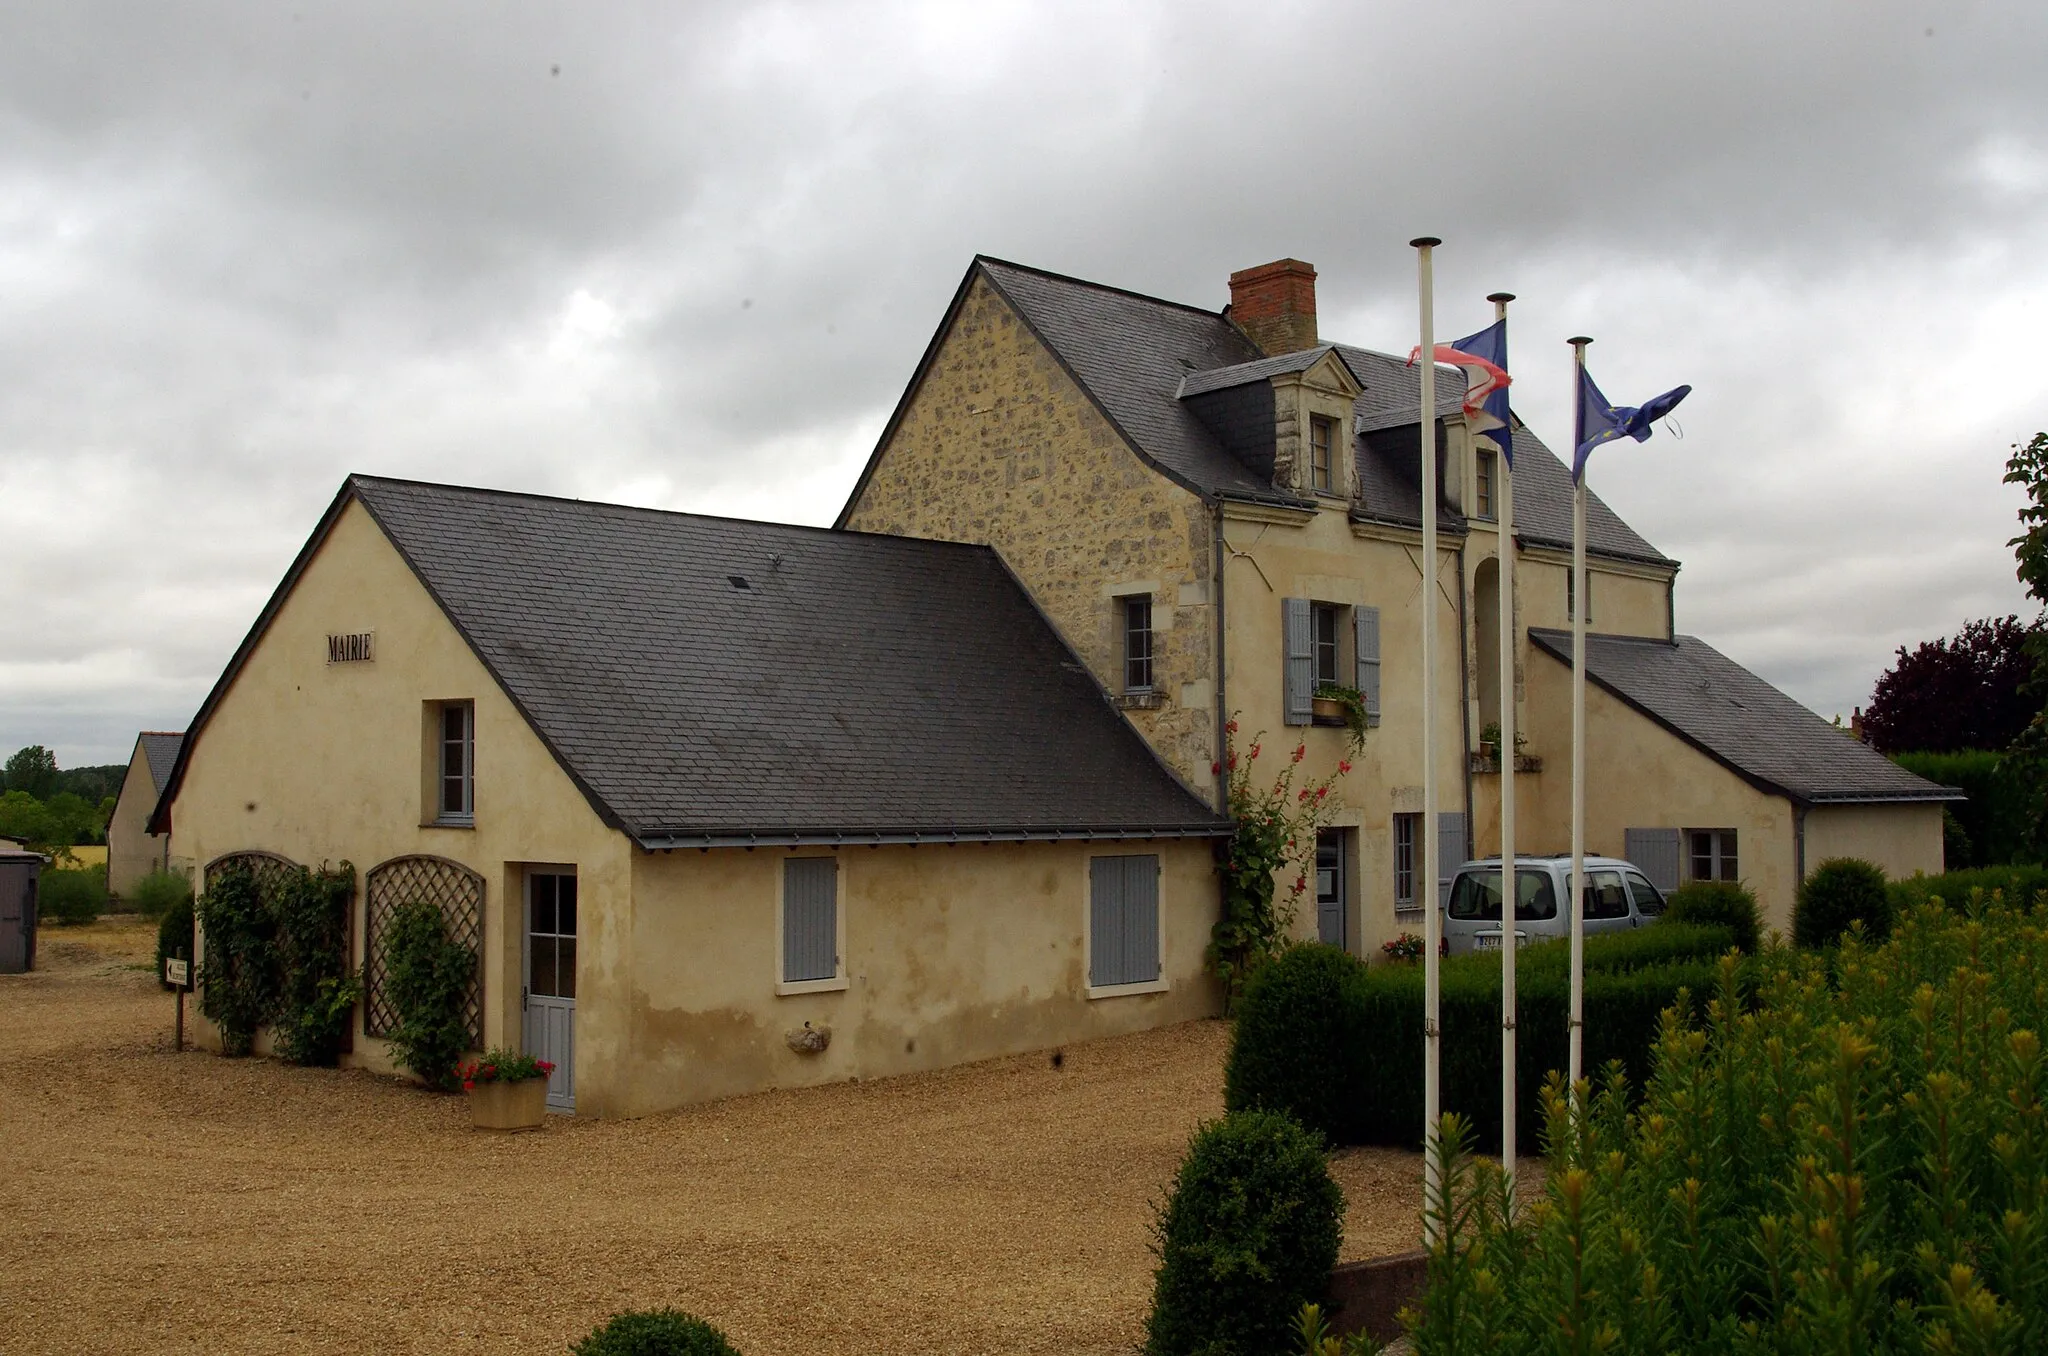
{"x": 1433, "y": 928}
{"x": 1510, "y": 892}
{"x": 1579, "y": 610}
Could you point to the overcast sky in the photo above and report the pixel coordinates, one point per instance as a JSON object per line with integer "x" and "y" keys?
{"x": 689, "y": 259}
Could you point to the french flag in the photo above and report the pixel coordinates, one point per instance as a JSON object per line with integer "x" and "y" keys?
{"x": 1483, "y": 359}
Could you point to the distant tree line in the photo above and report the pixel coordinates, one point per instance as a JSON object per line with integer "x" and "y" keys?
{"x": 46, "y": 807}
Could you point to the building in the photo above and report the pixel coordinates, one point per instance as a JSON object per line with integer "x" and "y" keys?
{"x": 720, "y": 805}
{"x": 1221, "y": 512}
{"x": 132, "y": 850}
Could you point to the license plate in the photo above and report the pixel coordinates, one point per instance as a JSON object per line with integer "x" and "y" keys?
{"x": 1489, "y": 943}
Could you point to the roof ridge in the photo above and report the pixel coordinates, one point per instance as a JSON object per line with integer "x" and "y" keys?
{"x": 1101, "y": 287}
{"x": 356, "y": 478}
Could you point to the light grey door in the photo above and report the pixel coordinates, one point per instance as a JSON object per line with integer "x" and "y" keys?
{"x": 1330, "y": 887}
{"x": 550, "y": 995}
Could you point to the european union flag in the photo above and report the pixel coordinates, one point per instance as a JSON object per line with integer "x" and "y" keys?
{"x": 1491, "y": 344}
{"x": 1602, "y": 422}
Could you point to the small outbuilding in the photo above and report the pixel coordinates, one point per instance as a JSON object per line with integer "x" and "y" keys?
{"x": 19, "y": 873}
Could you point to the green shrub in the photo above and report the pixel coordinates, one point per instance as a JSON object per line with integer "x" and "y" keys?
{"x": 1297, "y": 1045}
{"x": 1248, "y": 1236}
{"x": 430, "y": 974}
{"x": 1841, "y": 891}
{"x": 69, "y": 898}
{"x": 1993, "y": 821}
{"x": 175, "y": 937}
{"x": 1718, "y": 903}
{"x": 238, "y": 980}
{"x": 654, "y": 1332}
{"x": 2020, "y": 885}
{"x": 317, "y": 992}
{"x": 1339, "y": 1046}
{"x": 1874, "y": 1150}
{"x": 157, "y": 893}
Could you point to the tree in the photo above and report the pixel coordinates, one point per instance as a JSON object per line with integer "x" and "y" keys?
{"x": 2028, "y": 468}
{"x": 1961, "y": 692}
{"x": 34, "y": 770}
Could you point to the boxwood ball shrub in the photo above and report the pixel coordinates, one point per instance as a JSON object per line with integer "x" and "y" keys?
{"x": 1247, "y": 1237}
{"x": 654, "y": 1332}
{"x": 1841, "y": 891}
{"x": 1297, "y": 1044}
{"x": 69, "y": 898}
{"x": 1719, "y": 903}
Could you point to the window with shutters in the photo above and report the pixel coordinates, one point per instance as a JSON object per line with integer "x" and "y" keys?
{"x": 811, "y": 935}
{"x": 1711, "y": 854}
{"x": 1123, "y": 925}
{"x": 1137, "y": 618}
{"x": 1657, "y": 852}
{"x": 1315, "y": 641}
{"x": 1407, "y": 859}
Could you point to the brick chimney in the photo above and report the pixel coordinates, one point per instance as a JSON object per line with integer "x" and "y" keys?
{"x": 1276, "y": 305}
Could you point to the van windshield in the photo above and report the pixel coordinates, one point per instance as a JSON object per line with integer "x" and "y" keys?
{"x": 1477, "y": 895}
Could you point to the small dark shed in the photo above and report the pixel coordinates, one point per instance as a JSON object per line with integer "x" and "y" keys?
{"x": 19, "y": 872}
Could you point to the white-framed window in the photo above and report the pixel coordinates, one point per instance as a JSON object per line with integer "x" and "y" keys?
{"x": 1322, "y": 442}
{"x": 1571, "y": 590}
{"x": 1407, "y": 859}
{"x": 1482, "y": 485}
{"x": 1124, "y": 935}
{"x": 810, "y": 930}
{"x": 1710, "y": 854}
{"x": 455, "y": 763}
{"x": 1329, "y": 624}
{"x": 1315, "y": 643}
{"x": 1137, "y": 621}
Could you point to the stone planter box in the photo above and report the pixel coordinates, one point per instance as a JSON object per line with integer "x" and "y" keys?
{"x": 509, "y": 1106}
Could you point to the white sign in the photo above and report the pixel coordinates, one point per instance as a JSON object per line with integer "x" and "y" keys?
{"x": 177, "y": 972}
{"x": 354, "y": 647}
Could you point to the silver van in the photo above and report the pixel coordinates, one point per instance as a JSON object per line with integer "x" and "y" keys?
{"x": 1618, "y": 896}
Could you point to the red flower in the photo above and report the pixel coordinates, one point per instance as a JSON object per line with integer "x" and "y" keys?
{"x": 546, "y": 1067}
{"x": 1300, "y": 884}
{"x": 1215, "y": 768}
{"x": 1343, "y": 766}
{"x": 1300, "y": 750}
{"x": 1303, "y": 794}
{"x": 1230, "y": 727}
{"x": 469, "y": 1085}
{"x": 1233, "y": 762}
{"x": 1255, "y": 750}
{"x": 490, "y": 1071}
{"x": 1322, "y": 791}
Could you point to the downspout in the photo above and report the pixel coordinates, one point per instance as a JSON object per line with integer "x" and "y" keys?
{"x": 1798, "y": 846}
{"x": 1464, "y": 705}
{"x": 1222, "y": 705}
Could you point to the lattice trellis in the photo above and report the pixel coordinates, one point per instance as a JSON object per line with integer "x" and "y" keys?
{"x": 268, "y": 868}
{"x": 458, "y": 893}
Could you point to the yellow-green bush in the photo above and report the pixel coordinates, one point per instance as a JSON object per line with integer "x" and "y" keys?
{"x": 1845, "y": 1152}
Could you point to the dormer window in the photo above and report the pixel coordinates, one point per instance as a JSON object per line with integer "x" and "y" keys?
{"x": 1482, "y": 487}
{"x": 1322, "y": 437}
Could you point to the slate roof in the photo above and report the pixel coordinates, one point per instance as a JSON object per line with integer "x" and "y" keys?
{"x": 1741, "y": 721}
{"x": 1137, "y": 355}
{"x": 1262, "y": 369}
{"x": 709, "y": 681}
{"x": 161, "y": 752}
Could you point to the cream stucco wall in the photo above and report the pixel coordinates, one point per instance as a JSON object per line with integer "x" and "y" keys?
{"x": 322, "y": 763}
{"x": 1903, "y": 839}
{"x": 997, "y": 445}
{"x": 132, "y": 850}
{"x": 949, "y": 954}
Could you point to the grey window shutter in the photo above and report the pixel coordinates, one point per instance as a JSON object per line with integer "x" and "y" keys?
{"x": 1450, "y": 852}
{"x": 1123, "y": 923}
{"x": 810, "y": 918}
{"x": 1365, "y": 633}
{"x": 1299, "y": 624}
{"x": 1656, "y": 851}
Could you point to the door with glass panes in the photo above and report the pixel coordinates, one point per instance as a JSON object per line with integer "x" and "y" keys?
{"x": 550, "y": 992}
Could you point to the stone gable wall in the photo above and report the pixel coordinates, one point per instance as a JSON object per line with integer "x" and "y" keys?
{"x": 998, "y": 445}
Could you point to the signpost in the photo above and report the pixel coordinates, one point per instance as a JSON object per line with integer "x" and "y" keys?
{"x": 178, "y": 974}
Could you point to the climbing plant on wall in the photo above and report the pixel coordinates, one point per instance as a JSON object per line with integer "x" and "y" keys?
{"x": 429, "y": 980}
{"x": 276, "y": 954}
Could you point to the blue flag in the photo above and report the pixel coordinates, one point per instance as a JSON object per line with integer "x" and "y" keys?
{"x": 1491, "y": 344}
{"x": 1600, "y": 422}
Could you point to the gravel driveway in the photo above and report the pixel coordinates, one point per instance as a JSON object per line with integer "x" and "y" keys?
{"x": 156, "y": 1202}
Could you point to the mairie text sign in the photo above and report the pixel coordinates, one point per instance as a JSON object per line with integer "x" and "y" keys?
{"x": 353, "y": 647}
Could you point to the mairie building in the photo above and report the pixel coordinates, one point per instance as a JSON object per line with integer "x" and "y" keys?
{"x": 723, "y": 805}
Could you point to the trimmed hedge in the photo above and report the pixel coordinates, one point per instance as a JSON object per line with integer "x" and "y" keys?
{"x": 2020, "y": 885}
{"x": 1841, "y": 891}
{"x": 1719, "y": 903}
{"x": 1994, "y": 818}
{"x": 1289, "y": 1044}
{"x": 68, "y": 898}
{"x": 1248, "y": 1236}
